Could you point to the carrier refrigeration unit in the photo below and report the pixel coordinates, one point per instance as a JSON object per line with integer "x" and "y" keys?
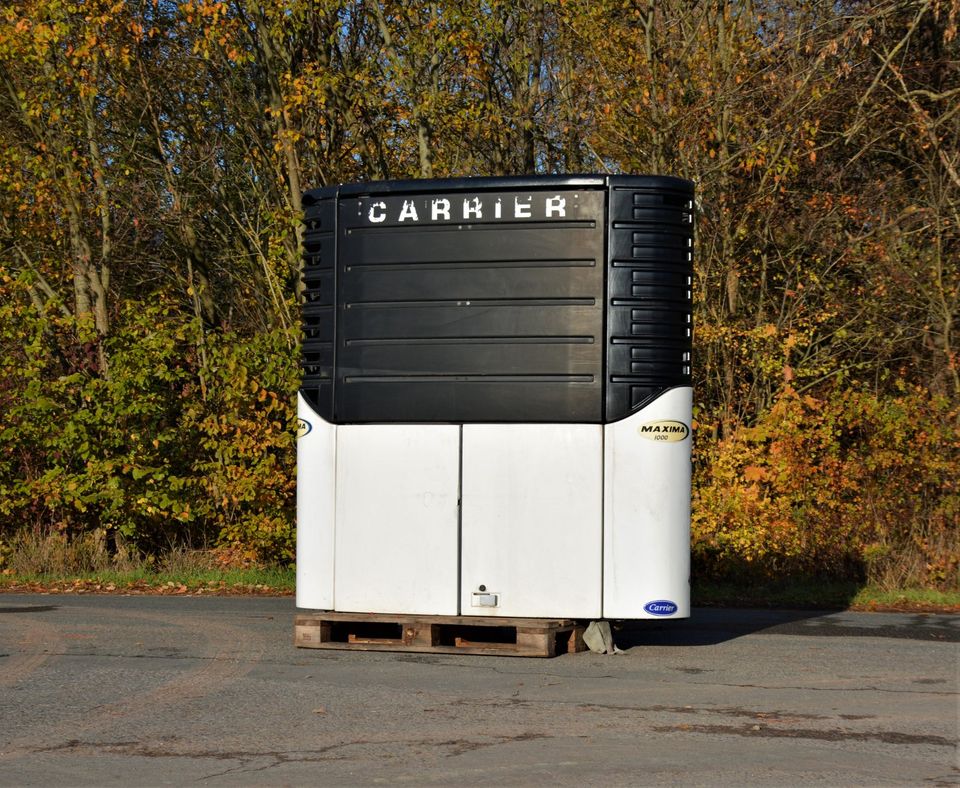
{"x": 496, "y": 400}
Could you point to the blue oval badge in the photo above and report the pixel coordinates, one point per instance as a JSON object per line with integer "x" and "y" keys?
{"x": 661, "y": 607}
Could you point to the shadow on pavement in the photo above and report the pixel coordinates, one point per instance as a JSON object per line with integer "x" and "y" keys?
{"x": 28, "y": 609}
{"x": 710, "y": 626}
{"x": 705, "y": 627}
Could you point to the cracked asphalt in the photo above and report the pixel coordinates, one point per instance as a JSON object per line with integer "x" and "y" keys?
{"x": 113, "y": 690}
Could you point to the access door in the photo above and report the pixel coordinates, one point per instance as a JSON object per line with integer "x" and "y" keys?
{"x": 532, "y": 532}
{"x": 396, "y": 522}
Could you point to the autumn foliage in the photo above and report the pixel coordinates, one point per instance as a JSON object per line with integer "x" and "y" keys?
{"x": 152, "y": 160}
{"x": 854, "y": 486}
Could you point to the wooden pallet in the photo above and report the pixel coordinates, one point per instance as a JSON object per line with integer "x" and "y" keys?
{"x": 513, "y": 637}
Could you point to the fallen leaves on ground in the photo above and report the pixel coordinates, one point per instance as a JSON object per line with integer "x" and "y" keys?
{"x": 143, "y": 587}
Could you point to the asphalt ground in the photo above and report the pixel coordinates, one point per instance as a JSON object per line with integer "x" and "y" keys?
{"x": 114, "y": 690}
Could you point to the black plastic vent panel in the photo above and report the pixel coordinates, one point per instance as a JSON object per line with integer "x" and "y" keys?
{"x": 543, "y": 299}
{"x": 319, "y": 301}
{"x": 649, "y": 289}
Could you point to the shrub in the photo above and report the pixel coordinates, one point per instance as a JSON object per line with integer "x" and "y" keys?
{"x": 188, "y": 441}
{"x": 846, "y": 485}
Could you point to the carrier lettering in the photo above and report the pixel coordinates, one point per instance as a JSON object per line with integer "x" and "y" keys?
{"x": 423, "y": 210}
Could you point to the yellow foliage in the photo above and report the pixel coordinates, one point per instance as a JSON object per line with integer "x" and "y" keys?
{"x": 847, "y": 484}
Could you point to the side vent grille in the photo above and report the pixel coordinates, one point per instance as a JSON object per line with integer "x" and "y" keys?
{"x": 649, "y": 287}
{"x": 319, "y": 297}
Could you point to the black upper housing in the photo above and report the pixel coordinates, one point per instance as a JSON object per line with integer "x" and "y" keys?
{"x": 531, "y": 299}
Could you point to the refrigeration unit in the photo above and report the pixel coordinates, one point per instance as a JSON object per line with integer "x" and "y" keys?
{"x": 495, "y": 412}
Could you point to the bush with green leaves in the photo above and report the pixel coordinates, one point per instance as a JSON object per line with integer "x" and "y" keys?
{"x": 188, "y": 440}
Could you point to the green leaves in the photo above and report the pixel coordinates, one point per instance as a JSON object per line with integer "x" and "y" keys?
{"x": 142, "y": 452}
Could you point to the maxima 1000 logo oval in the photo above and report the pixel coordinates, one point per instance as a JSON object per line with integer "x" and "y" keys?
{"x": 664, "y": 430}
{"x": 661, "y": 607}
{"x": 303, "y": 427}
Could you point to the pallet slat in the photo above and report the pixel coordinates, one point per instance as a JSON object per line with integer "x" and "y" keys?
{"x": 518, "y": 637}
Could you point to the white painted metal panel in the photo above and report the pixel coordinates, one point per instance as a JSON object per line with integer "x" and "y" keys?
{"x": 397, "y": 509}
{"x": 531, "y": 532}
{"x": 647, "y": 511}
{"x": 316, "y": 482}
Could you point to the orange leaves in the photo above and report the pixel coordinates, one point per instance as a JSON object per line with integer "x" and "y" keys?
{"x": 754, "y": 473}
{"x": 817, "y": 481}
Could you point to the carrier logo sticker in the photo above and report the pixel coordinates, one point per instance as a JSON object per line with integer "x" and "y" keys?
{"x": 664, "y": 430}
{"x": 303, "y": 427}
{"x": 390, "y": 211}
{"x": 661, "y": 607}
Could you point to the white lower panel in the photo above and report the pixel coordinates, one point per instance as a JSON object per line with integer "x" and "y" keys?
{"x": 532, "y": 532}
{"x": 396, "y": 509}
{"x": 647, "y": 511}
{"x": 316, "y": 474}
